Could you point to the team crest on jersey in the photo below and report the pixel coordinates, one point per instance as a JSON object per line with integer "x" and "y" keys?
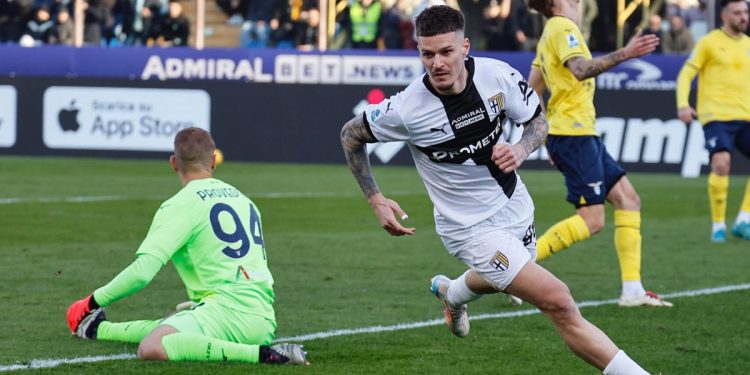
{"x": 500, "y": 261}
{"x": 496, "y": 103}
{"x": 573, "y": 41}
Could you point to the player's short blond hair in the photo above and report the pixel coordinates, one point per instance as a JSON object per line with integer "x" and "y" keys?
{"x": 193, "y": 149}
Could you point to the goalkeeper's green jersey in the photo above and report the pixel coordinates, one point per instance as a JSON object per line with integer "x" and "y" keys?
{"x": 213, "y": 234}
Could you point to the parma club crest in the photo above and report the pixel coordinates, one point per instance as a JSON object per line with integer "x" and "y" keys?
{"x": 496, "y": 103}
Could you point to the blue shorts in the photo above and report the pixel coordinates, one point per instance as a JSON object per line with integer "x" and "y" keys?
{"x": 726, "y": 135}
{"x": 590, "y": 172}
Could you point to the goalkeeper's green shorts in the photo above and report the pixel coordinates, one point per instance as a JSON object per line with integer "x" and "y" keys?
{"x": 215, "y": 319}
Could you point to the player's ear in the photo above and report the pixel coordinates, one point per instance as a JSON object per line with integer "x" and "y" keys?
{"x": 173, "y": 162}
{"x": 213, "y": 160}
{"x": 466, "y": 47}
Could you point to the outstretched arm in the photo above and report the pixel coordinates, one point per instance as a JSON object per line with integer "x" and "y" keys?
{"x": 354, "y": 136}
{"x": 638, "y": 46}
{"x": 132, "y": 279}
{"x": 509, "y": 157}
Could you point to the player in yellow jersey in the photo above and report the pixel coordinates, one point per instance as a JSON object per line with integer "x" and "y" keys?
{"x": 721, "y": 60}
{"x": 564, "y": 65}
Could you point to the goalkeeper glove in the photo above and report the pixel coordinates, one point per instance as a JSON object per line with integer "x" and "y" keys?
{"x": 78, "y": 310}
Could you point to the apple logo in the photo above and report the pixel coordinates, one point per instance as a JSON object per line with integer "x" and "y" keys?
{"x": 68, "y": 118}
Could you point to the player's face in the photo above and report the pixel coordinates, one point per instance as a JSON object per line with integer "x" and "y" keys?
{"x": 443, "y": 57}
{"x": 735, "y": 16}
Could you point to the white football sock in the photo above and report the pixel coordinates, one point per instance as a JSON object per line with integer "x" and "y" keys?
{"x": 742, "y": 217}
{"x": 718, "y": 226}
{"x": 633, "y": 289}
{"x": 621, "y": 364}
{"x": 459, "y": 293}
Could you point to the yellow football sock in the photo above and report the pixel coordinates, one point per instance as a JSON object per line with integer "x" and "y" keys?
{"x": 746, "y": 201}
{"x": 718, "y": 188}
{"x": 628, "y": 243}
{"x": 560, "y": 236}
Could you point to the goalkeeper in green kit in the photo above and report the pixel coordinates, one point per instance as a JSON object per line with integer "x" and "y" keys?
{"x": 213, "y": 234}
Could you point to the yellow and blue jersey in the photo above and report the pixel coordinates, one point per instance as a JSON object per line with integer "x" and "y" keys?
{"x": 570, "y": 110}
{"x": 722, "y": 63}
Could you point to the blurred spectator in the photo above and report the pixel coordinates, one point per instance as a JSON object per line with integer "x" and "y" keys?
{"x": 589, "y": 12}
{"x": 689, "y": 10}
{"x": 292, "y": 15}
{"x": 678, "y": 39}
{"x": 501, "y": 25}
{"x": 62, "y": 32}
{"x": 174, "y": 29}
{"x": 40, "y": 27}
{"x": 654, "y": 27}
{"x": 262, "y": 18}
{"x": 306, "y": 30}
{"x": 363, "y": 22}
{"x": 13, "y": 16}
{"x": 397, "y": 26}
{"x": 234, "y": 9}
{"x": 139, "y": 20}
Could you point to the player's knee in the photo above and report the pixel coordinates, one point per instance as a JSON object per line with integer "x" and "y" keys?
{"x": 151, "y": 350}
{"x": 559, "y": 305}
{"x": 720, "y": 163}
{"x": 595, "y": 223}
{"x": 721, "y": 169}
{"x": 632, "y": 201}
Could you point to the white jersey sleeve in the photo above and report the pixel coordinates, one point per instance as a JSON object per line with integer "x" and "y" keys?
{"x": 522, "y": 101}
{"x": 384, "y": 120}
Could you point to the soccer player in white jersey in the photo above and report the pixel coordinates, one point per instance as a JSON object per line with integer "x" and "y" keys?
{"x": 452, "y": 120}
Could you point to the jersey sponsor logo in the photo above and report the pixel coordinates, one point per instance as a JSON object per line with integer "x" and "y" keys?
{"x": 635, "y": 74}
{"x": 7, "y": 116}
{"x": 573, "y": 41}
{"x": 500, "y": 261}
{"x": 447, "y": 153}
{"x": 597, "y": 186}
{"x": 468, "y": 118}
{"x": 497, "y": 103}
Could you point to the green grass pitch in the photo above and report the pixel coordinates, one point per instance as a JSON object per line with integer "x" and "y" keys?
{"x": 336, "y": 269}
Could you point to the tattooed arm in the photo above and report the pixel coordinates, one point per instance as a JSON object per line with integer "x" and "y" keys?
{"x": 638, "y": 46}
{"x": 354, "y": 136}
{"x": 509, "y": 157}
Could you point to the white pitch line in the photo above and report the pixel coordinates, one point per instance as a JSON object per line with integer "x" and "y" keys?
{"x": 264, "y": 195}
{"x": 49, "y": 363}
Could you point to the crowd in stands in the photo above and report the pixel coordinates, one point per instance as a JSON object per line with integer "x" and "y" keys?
{"x": 105, "y": 22}
{"x": 502, "y": 25}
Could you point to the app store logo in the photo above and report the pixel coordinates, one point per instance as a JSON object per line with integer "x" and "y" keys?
{"x": 129, "y": 119}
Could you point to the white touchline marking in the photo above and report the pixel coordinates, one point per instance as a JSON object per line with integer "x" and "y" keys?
{"x": 49, "y": 363}
{"x": 264, "y": 195}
